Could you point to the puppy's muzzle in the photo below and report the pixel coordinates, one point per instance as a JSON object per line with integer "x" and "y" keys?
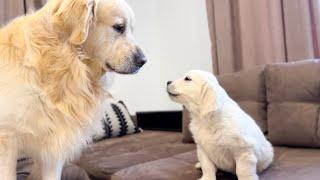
{"x": 139, "y": 58}
{"x": 168, "y": 90}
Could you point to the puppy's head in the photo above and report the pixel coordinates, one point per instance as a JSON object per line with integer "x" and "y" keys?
{"x": 196, "y": 90}
{"x": 104, "y": 29}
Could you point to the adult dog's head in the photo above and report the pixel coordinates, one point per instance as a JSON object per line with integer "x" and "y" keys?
{"x": 198, "y": 91}
{"x": 104, "y": 30}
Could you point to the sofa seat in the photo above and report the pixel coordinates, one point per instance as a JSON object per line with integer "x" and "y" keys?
{"x": 289, "y": 164}
{"x": 294, "y": 164}
{"x": 70, "y": 171}
{"x": 104, "y": 158}
{"x": 178, "y": 167}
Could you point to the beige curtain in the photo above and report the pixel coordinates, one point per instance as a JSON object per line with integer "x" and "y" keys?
{"x": 32, "y": 5}
{"x": 10, "y": 9}
{"x": 246, "y": 33}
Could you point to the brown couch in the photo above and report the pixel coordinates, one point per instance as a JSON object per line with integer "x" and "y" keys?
{"x": 284, "y": 99}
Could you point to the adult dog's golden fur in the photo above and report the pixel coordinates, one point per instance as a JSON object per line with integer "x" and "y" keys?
{"x": 51, "y": 63}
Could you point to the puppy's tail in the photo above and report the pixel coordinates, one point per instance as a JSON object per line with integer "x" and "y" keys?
{"x": 267, "y": 158}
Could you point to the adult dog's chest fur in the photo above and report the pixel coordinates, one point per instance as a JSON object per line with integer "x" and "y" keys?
{"x": 213, "y": 140}
{"x": 55, "y": 116}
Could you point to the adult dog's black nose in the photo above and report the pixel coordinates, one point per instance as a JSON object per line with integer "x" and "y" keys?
{"x": 139, "y": 58}
{"x": 168, "y": 83}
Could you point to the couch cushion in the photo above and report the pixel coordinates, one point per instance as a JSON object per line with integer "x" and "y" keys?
{"x": 70, "y": 171}
{"x": 295, "y": 124}
{"x": 298, "y": 81}
{"x": 294, "y": 164}
{"x": 289, "y": 164}
{"x": 245, "y": 85}
{"x": 247, "y": 88}
{"x": 179, "y": 167}
{"x": 293, "y": 93}
{"x": 106, "y": 157}
{"x": 258, "y": 111}
{"x": 116, "y": 121}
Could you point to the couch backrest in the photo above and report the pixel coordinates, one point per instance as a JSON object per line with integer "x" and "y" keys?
{"x": 247, "y": 88}
{"x": 293, "y": 94}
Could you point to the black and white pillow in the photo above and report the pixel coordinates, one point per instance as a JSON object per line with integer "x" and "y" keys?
{"x": 116, "y": 122}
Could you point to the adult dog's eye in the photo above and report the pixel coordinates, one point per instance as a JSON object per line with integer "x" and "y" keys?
{"x": 187, "y": 79}
{"x": 120, "y": 28}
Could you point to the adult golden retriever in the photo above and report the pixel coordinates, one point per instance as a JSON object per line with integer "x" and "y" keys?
{"x": 51, "y": 62}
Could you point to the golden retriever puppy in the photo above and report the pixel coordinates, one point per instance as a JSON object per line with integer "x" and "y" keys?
{"x": 51, "y": 62}
{"x": 227, "y": 138}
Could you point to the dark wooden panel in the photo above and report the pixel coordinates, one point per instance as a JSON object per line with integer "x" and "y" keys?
{"x": 161, "y": 121}
{"x": 9, "y": 9}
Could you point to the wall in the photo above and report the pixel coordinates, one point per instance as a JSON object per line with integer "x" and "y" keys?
{"x": 174, "y": 34}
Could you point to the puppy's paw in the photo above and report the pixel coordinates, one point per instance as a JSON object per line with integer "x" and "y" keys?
{"x": 207, "y": 178}
{"x": 197, "y": 165}
{"x": 249, "y": 177}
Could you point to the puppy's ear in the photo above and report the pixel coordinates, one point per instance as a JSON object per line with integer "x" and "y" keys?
{"x": 74, "y": 17}
{"x": 209, "y": 99}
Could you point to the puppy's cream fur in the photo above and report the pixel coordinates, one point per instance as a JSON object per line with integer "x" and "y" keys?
{"x": 51, "y": 63}
{"x": 227, "y": 138}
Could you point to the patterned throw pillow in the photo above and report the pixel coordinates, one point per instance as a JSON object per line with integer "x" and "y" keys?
{"x": 116, "y": 122}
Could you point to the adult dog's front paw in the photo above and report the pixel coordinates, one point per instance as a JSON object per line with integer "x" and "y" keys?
{"x": 197, "y": 165}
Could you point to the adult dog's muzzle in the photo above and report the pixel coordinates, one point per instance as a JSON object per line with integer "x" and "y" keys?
{"x": 139, "y": 58}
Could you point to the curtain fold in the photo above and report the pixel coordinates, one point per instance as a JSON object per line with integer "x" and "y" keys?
{"x": 211, "y": 23}
{"x": 249, "y": 33}
{"x": 302, "y": 28}
{"x": 32, "y": 5}
{"x": 10, "y": 9}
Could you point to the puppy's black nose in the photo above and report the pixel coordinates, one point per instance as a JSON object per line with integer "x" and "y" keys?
{"x": 168, "y": 83}
{"x": 139, "y": 58}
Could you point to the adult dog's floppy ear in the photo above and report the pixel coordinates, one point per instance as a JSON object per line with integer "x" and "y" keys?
{"x": 74, "y": 17}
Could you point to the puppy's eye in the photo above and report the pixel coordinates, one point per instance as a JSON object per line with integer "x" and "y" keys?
{"x": 187, "y": 79}
{"x": 119, "y": 28}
